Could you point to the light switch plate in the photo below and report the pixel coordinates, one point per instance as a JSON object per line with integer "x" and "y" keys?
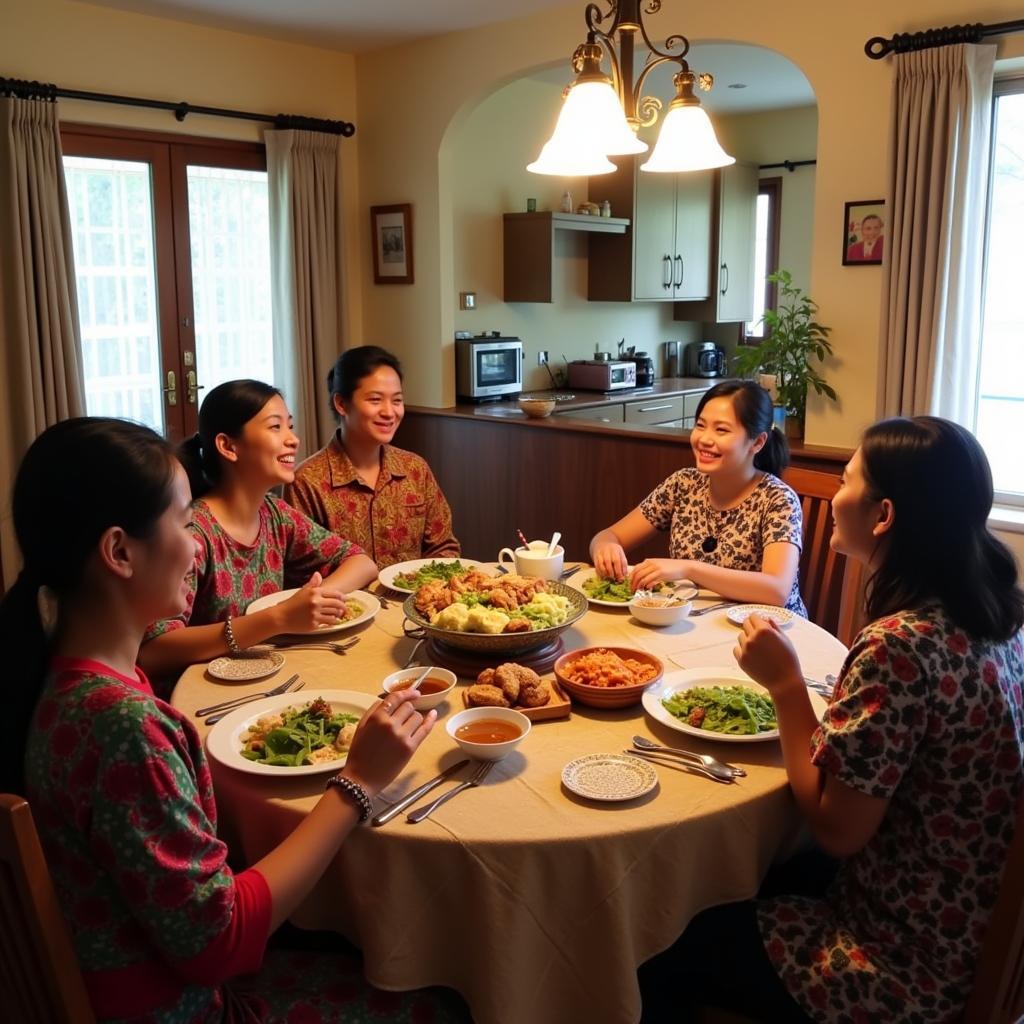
{"x": 467, "y": 300}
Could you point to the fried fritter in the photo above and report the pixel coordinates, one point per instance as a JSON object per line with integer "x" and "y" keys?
{"x": 480, "y": 695}
{"x": 518, "y": 626}
{"x": 534, "y": 696}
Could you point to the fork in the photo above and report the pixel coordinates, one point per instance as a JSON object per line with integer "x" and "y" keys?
{"x": 338, "y": 647}
{"x": 474, "y": 780}
{"x": 224, "y": 704}
{"x": 712, "y": 764}
{"x": 666, "y": 762}
{"x": 711, "y": 608}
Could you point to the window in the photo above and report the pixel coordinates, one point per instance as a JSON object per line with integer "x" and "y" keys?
{"x": 172, "y": 262}
{"x": 999, "y": 422}
{"x": 766, "y": 256}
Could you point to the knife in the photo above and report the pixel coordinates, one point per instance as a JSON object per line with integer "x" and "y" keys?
{"x": 400, "y": 805}
{"x": 711, "y": 608}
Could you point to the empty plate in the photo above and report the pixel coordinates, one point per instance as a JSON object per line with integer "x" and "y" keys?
{"x": 236, "y": 670}
{"x": 609, "y": 777}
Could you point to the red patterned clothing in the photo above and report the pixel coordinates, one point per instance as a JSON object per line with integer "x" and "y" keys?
{"x": 121, "y": 794}
{"x": 932, "y": 720}
{"x": 228, "y": 575}
{"x": 404, "y": 517}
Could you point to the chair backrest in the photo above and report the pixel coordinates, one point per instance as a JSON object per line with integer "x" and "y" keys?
{"x": 830, "y": 583}
{"x": 40, "y": 980}
{"x": 998, "y": 994}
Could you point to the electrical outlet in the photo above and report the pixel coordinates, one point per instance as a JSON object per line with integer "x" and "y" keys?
{"x": 542, "y": 358}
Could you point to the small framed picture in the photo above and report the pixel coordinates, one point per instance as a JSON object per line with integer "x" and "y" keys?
{"x": 391, "y": 232}
{"x": 864, "y": 232}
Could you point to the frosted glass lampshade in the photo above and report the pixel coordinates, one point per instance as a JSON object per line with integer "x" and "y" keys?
{"x": 570, "y": 161}
{"x": 592, "y": 112}
{"x": 687, "y": 143}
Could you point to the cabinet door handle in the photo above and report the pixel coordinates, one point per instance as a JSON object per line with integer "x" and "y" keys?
{"x": 679, "y": 260}
{"x": 653, "y": 408}
{"x": 666, "y": 280}
{"x": 725, "y": 270}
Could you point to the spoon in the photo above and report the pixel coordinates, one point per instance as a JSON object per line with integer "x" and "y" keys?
{"x": 414, "y": 685}
{"x": 553, "y": 543}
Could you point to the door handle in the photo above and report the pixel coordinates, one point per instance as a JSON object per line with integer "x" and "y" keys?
{"x": 680, "y": 281}
{"x": 666, "y": 283}
{"x": 725, "y": 270}
{"x": 192, "y": 387}
{"x": 171, "y": 391}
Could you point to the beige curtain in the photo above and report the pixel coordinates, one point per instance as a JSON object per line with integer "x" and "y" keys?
{"x": 39, "y": 332}
{"x": 306, "y": 245}
{"x": 938, "y": 183}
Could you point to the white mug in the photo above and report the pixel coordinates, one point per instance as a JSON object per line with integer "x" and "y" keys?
{"x": 534, "y": 560}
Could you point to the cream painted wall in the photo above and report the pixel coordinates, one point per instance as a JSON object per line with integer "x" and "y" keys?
{"x": 81, "y": 46}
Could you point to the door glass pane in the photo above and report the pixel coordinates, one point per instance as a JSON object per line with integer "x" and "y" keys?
{"x": 755, "y": 328}
{"x": 230, "y": 237}
{"x": 112, "y": 231}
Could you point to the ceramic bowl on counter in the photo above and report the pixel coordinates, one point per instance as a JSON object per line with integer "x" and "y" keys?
{"x": 536, "y": 407}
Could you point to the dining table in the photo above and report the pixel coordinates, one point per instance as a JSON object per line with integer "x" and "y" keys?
{"x": 534, "y": 903}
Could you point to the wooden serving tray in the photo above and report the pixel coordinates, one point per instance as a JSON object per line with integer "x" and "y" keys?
{"x": 559, "y": 706}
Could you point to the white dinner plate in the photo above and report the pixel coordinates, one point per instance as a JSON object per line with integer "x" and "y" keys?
{"x": 577, "y": 579}
{"x": 387, "y": 576}
{"x": 236, "y": 670}
{"x": 369, "y": 603}
{"x": 609, "y": 777}
{"x": 738, "y": 614}
{"x": 690, "y": 678}
{"x": 224, "y": 741}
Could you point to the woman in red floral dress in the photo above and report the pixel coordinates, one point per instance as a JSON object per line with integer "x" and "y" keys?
{"x": 248, "y": 542}
{"x": 360, "y": 485}
{"x": 117, "y": 779}
{"x": 913, "y": 777}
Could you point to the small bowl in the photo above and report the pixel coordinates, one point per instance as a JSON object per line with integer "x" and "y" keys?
{"x": 425, "y": 701}
{"x": 607, "y": 696}
{"x": 663, "y": 609}
{"x": 488, "y": 751}
{"x": 538, "y": 408}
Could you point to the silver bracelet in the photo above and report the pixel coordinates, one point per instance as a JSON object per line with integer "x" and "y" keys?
{"x": 355, "y": 792}
{"x": 229, "y": 636}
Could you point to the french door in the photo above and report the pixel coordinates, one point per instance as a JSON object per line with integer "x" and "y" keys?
{"x": 172, "y": 265}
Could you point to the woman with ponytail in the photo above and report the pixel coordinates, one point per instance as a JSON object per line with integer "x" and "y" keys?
{"x": 117, "y": 779}
{"x": 736, "y": 528}
{"x": 248, "y": 542}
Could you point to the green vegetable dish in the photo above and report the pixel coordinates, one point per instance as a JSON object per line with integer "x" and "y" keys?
{"x": 735, "y": 710}
{"x": 599, "y": 589}
{"x": 295, "y": 736}
{"x": 431, "y": 571}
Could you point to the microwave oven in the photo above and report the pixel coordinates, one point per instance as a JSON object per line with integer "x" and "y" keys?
{"x": 488, "y": 367}
{"x": 595, "y": 375}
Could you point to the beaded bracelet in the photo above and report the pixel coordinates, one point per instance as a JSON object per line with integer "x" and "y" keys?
{"x": 229, "y": 636}
{"x": 355, "y": 792}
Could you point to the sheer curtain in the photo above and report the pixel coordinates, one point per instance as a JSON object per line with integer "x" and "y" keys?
{"x": 306, "y": 244}
{"x": 39, "y": 332}
{"x": 938, "y": 180}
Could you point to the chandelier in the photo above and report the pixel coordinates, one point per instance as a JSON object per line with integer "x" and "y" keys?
{"x": 601, "y": 115}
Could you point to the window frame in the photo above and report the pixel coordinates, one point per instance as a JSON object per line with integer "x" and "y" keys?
{"x": 771, "y": 187}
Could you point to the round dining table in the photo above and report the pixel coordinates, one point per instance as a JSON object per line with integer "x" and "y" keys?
{"x": 537, "y": 905}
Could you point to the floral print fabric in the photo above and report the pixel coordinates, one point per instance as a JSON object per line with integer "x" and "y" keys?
{"x": 933, "y": 721}
{"x": 769, "y": 515}
{"x": 229, "y": 576}
{"x": 405, "y": 517}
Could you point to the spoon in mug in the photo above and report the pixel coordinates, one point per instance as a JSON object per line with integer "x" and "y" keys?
{"x": 553, "y": 543}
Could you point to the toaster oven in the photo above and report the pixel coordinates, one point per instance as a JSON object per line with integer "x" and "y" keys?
{"x": 595, "y": 375}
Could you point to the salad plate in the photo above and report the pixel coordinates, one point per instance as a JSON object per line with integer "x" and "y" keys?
{"x": 609, "y": 777}
{"x": 688, "y": 679}
{"x": 224, "y": 742}
{"x": 388, "y": 576}
{"x": 367, "y": 603}
{"x": 739, "y": 613}
{"x": 577, "y": 580}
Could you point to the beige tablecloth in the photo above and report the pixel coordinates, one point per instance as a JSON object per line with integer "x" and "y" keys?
{"x": 535, "y": 904}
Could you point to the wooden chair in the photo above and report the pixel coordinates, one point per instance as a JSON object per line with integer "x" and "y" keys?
{"x": 830, "y": 583}
{"x": 40, "y": 981}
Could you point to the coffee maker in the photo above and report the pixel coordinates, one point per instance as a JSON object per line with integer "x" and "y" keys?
{"x": 705, "y": 359}
{"x": 644, "y": 369}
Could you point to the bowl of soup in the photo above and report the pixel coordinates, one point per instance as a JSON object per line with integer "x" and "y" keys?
{"x": 488, "y": 734}
{"x": 437, "y": 685}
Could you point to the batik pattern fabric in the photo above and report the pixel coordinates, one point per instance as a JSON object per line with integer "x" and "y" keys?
{"x": 770, "y": 514}
{"x": 931, "y": 720}
{"x": 404, "y": 517}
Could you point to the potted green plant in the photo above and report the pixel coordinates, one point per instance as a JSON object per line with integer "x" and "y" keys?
{"x": 792, "y": 339}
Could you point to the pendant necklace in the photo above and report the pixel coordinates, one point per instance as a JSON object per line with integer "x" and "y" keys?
{"x": 711, "y": 540}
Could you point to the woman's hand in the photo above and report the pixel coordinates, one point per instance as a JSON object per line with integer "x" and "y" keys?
{"x": 610, "y": 561}
{"x": 310, "y": 606}
{"x": 655, "y": 570}
{"x": 767, "y": 656}
{"x": 386, "y": 738}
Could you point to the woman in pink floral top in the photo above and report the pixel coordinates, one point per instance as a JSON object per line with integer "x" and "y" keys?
{"x": 248, "y": 542}
{"x": 914, "y": 775}
{"x": 117, "y": 779}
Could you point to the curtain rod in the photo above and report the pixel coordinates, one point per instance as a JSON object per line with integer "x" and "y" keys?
{"x": 790, "y": 165}
{"x": 878, "y": 47}
{"x": 21, "y": 89}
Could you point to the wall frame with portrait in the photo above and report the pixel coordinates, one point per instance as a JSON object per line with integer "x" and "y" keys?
{"x": 391, "y": 237}
{"x": 864, "y": 233}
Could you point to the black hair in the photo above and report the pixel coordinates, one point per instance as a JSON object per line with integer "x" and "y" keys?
{"x": 753, "y": 407}
{"x": 939, "y": 547}
{"x": 355, "y": 364}
{"x": 225, "y": 410}
{"x": 77, "y": 479}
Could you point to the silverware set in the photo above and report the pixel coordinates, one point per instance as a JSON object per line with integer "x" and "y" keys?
{"x": 824, "y": 686}
{"x": 711, "y": 608}
{"x": 474, "y": 780}
{"x": 336, "y": 646}
{"x": 218, "y": 711}
{"x": 389, "y": 812}
{"x": 704, "y": 763}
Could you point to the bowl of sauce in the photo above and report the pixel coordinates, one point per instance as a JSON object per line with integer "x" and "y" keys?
{"x": 488, "y": 734}
{"x": 432, "y": 690}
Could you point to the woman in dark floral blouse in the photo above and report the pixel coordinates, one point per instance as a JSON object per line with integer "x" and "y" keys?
{"x": 915, "y": 773}
{"x": 118, "y": 780}
{"x": 736, "y": 528}
{"x": 361, "y": 486}
{"x": 248, "y": 542}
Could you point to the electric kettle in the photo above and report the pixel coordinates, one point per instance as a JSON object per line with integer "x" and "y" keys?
{"x": 705, "y": 359}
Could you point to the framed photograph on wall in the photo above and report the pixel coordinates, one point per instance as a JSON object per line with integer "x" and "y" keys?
{"x": 391, "y": 231}
{"x": 864, "y": 232}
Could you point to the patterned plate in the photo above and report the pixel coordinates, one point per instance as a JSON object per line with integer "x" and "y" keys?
{"x": 738, "y": 614}
{"x": 236, "y": 670}
{"x": 609, "y": 777}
